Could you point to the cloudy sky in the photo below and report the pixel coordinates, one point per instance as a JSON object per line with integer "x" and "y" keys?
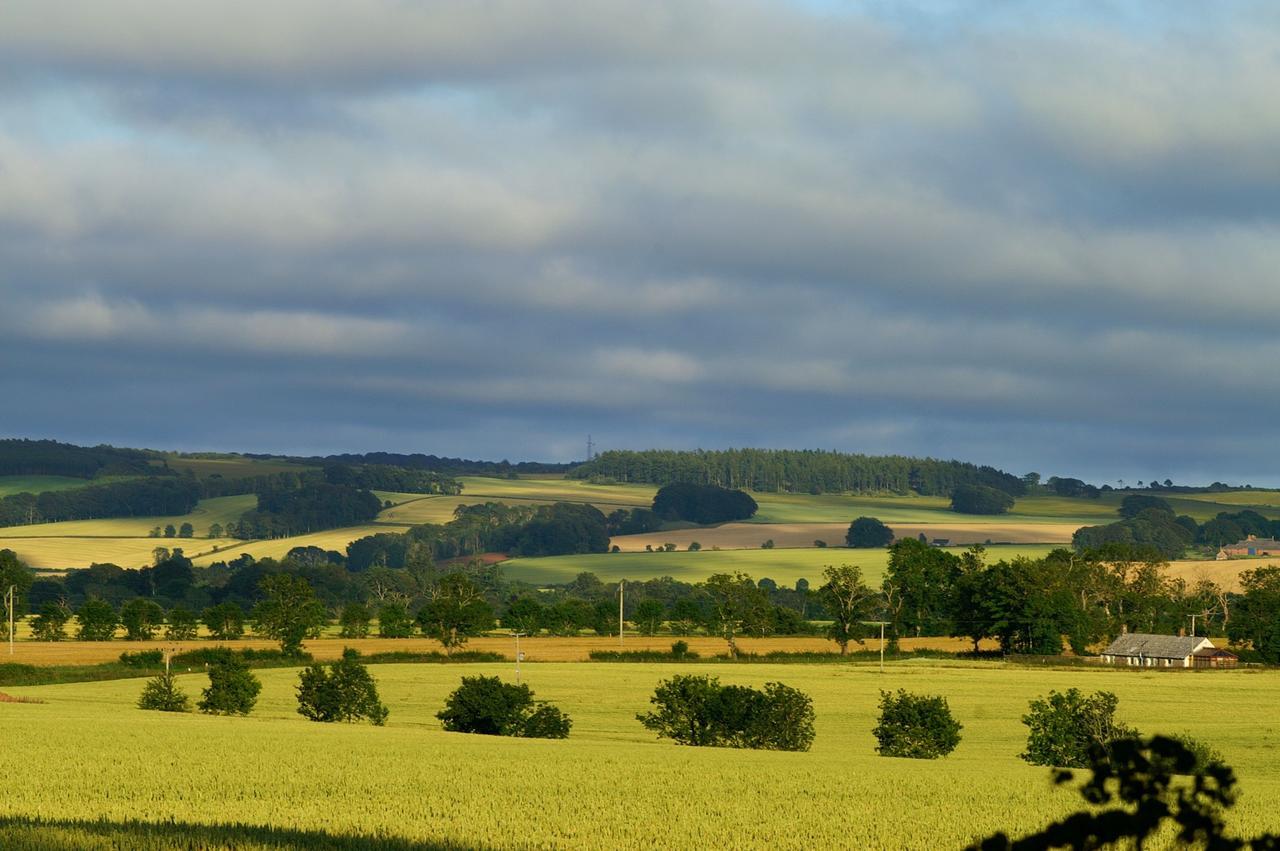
{"x": 1006, "y": 232}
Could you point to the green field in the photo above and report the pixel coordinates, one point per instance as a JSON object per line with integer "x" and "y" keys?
{"x": 230, "y": 466}
{"x": 782, "y": 566}
{"x": 91, "y": 762}
{"x": 10, "y": 485}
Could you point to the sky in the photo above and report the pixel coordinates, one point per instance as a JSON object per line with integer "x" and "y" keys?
{"x": 1043, "y": 236}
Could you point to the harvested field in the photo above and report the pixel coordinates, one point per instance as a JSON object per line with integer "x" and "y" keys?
{"x": 332, "y": 539}
{"x": 540, "y": 649}
{"x": 1225, "y": 573}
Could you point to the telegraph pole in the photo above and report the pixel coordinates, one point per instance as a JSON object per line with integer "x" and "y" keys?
{"x": 882, "y": 647}
{"x": 519, "y": 655}
{"x": 622, "y": 583}
{"x": 8, "y": 599}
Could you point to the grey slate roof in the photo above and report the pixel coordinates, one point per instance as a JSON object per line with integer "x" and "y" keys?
{"x": 1157, "y": 646}
{"x": 1258, "y": 543}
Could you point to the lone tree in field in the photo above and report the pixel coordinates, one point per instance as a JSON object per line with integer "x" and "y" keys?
{"x": 224, "y": 621}
{"x": 868, "y": 533}
{"x": 289, "y": 613}
{"x": 1068, "y": 730}
{"x": 488, "y": 706}
{"x": 648, "y": 616}
{"x": 186, "y": 530}
{"x": 233, "y": 689}
{"x": 163, "y": 695}
{"x": 849, "y": 601}
{"x": 915, "y": 726}
{"x": 735, "y": 602}
{"x": 344, "y": 692}
{"x": 457, "y": 611}
{"x": 141, "y": 619}
{"x": 696, "y": 710}
{"x": 97, "y": 620}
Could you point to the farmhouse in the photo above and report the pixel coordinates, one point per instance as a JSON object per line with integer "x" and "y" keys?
{"x": 1250, "y": 546}
{"x": 1166, "y": 651}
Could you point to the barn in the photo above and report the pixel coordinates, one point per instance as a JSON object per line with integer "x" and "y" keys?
{"x": 1145, "y": 650}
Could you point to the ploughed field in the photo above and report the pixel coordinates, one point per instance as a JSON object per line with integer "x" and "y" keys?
{"x": 89, "y": 763}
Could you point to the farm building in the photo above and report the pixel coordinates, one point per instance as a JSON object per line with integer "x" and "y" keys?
{"x": 1250, "y": 546}
{"x": 1166, "y": 651}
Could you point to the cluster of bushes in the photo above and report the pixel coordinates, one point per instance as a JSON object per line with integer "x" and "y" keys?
{"x": 703, "y": 504}
{"x": 698, "y": 710}
{"x": 1150, "y": 521}
{"x": 381, "y": 477}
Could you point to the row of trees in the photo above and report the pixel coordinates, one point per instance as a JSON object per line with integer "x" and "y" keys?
{"x": 143, "y": 497}
{"x": 796, "y": 471}
{"x": 1150, "y": 521}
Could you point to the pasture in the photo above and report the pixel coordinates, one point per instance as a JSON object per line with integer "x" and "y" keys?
{"x": 10, "y": 485}
{"x": 331, "y": 539}
{"x": 783, "y": 566}
{"x": 92, "y": 764}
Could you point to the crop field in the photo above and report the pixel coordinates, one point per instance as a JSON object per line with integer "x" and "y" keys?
{"x": 91, "y": 763}
{"x": 332, "y": 539}
{"x": 481, "y": 489}
{"x": 10, "y": 485}
{"x": 752, "y": 535}
{"x": 781, "y": 565}
{"x": 232, "y": 467}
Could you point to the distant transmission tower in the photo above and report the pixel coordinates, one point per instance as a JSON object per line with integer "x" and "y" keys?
{"x": 591, "y": 448}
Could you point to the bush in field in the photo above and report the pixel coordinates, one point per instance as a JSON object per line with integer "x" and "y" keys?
{"x": 915, "y": 726}
{"x": 183, "y": 624}
{"x": 141, "y": 619}
{"x": 51, "y": 623}
{"x": 354, "y": 620}
{"x": 224, "y": 621}
{"x": 1065, "y": 727}
{"x": 233, "y": 689}
{"x": 696, "y": 710}
{"x": 97, "y": 620}
{"x": 163, "y": 695}
{"x": 344, "y": 692}
{"x": 488, "y": 706}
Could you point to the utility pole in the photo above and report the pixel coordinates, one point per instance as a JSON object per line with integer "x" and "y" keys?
{"x": 882, "y": 647}
{"x": 519, "y": 655}
{"x": 622, "y": 583}
{"x": 1193, "y": 626}
{"x": 8, "y": 599}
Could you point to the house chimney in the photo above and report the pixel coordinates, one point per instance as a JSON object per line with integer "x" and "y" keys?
{"x": 1124, "y": 629}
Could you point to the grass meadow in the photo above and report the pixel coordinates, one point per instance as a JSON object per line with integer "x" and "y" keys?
{"x": 783, "y": 566}
{"x": 91, "y": 763}
{"x": 10, "y": 485}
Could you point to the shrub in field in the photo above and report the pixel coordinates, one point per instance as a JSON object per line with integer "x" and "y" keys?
{"x": 354, "y": 620}
{"x": 491, "y": 707}
{"x": 97, "y": 620}
{"x": 51, "y": 623}
{"x": 182, "y": 624}
{"x": 1135, "y": 778}
{"x": 143, "y": 659}
{"x": 1203, "y": 754}
{"x": 697, "y": 710}
{"x": 915, "y": 726}
{"x": 224, "y": 621}
{"x": 1065, "y": 727}
{"x": 141, "y": 618}
{"x": 233, "y": 689}
{"x": 163, "y": 695}
{"x": 344, "y": 692}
